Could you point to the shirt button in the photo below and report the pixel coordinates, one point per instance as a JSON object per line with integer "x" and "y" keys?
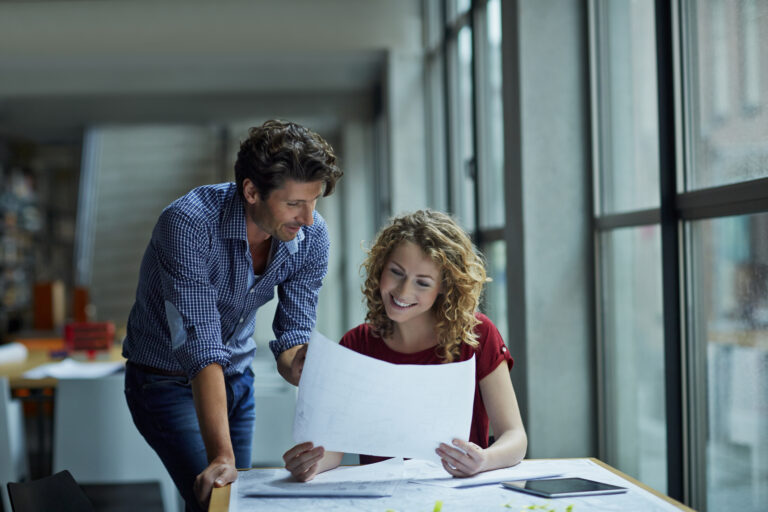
{"x": 252, "y": 290}
{"x": 241, "y": 320}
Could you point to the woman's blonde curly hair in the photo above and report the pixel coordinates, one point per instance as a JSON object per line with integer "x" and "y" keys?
{"x": 462, "y": 280}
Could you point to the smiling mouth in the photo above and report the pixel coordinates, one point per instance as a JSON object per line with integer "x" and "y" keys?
{"x": 403, "y": 305}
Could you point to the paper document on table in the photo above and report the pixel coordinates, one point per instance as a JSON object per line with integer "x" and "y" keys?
{"x": 375, "y": 480}
{"x": 430, "y": 473}
{"x": 13, "y": 352}
{"x": 71, "y": 369}
{"x": 353, "y": 403}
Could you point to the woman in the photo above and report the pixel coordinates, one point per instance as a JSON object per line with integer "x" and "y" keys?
{"x": 423, "y": 286}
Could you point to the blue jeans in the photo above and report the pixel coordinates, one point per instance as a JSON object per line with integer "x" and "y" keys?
{"x": 164, "y": 412}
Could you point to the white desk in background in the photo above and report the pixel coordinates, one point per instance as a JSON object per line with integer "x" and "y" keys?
{"x": 421, "y": 497}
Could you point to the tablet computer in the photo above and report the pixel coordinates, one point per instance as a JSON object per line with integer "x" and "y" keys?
{"x": 561, "y": 487}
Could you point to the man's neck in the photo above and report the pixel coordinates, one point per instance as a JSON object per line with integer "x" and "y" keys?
{"x": 256, "y": 236}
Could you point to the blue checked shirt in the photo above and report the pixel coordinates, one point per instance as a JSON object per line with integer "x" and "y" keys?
{"x": 197, "y": 296}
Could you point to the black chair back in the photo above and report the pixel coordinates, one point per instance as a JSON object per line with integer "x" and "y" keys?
{"x": 57, "y": 492}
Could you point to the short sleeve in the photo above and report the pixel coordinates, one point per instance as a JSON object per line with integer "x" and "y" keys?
{"x": 353, "y": 338}
{"x": 492, "y": 349}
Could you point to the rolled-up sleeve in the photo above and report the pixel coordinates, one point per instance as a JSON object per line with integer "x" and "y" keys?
{"x": 182, "y": 247}
{"x": 296, "y": 312}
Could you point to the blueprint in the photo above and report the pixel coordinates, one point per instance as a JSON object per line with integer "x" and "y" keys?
{"x": 352, "y": 403}
{"x": 411, "y": 495}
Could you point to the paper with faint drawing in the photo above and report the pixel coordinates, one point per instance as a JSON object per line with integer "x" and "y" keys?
{"x": 353, "y": 403}
{"x": 430, "y": 473}
{"x": 374, "y": 480}
{"x": 412, "y": 495}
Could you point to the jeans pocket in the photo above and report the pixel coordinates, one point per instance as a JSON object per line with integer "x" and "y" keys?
{"x": 152, "y": 381}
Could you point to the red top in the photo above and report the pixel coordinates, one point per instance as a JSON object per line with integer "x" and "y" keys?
{"x": 489, "y": 354}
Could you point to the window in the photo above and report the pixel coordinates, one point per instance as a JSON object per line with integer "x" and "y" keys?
{"x": 726, "y": 54}
{"x": 626, "y": 98}
{"x": 633, "y": 420}
{"x": 465, "y": 113}
{"x": 490, "y": 126}
{"x": 729, "y": 276}
{"x": 461, "y": 127}
{"x": 682, "y": 231}
{"x": 634, "y": 435}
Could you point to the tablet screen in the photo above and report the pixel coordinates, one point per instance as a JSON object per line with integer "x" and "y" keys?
{"x": 557, "y": 487}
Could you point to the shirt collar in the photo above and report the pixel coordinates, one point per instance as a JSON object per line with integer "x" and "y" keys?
{"x": 293, "y": 245}
{"x": 233, "y": 220}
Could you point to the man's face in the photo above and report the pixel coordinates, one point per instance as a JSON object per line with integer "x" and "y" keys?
{"x": 286, "y": 209}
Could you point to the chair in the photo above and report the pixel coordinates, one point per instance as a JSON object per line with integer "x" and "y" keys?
{"x": 57, "y": 492}
{"x": 95, "y": 438}
{"x": 13, "y": 451}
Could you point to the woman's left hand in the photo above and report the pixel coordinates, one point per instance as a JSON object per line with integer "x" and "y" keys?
{"x": 466, "y": 459}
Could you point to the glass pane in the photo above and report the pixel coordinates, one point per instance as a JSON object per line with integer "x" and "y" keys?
{"x": 457, "y": 7}
{"x": 435, "y": 103}
{"x": 463, "y": 155}
{"x": 729, "y": 91}
{"x": 495, "y": 298}
{"x": 633, "y": 344}
{"x": 433, "y": 23}
{"x": 730, "y": 262}
{"x": 627, "y": 100}
{"x": 492, "y": 168}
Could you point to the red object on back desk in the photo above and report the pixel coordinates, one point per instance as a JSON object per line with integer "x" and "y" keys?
{"x": 89, "y": 335}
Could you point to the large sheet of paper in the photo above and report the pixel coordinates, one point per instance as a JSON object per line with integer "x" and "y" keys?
{"x": 353, "y": 403}
{"x": 373, "y": 480}
{"x": 414, "y": 495}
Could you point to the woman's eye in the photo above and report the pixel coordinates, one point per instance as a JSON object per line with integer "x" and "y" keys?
{"x": 423, "y": 284}
{"x": 395, "y": 271}
{"x": 293, "y": 204}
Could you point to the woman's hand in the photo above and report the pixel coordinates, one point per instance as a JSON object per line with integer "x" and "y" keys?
{"x": 466, "y": 460}
{"x": 302, "y": 461}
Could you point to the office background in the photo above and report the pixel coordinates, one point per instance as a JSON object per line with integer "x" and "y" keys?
{"x": 610, "y": 158}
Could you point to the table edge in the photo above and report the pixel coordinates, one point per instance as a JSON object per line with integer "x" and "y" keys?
{"x": 220, "y": 495}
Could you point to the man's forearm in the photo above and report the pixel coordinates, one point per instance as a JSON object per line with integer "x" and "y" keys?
{"x": 210, "y": 397}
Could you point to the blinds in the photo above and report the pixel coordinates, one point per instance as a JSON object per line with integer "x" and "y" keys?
{"x": 129, "y": 175}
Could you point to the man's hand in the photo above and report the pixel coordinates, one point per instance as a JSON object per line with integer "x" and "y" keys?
{"x": 218, "y": 474}
{"x": 210, "y": 395}
{"x": 302, "y": 461}
{"x": 291, "y": 362}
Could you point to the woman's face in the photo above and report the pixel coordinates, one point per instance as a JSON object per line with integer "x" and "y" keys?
{"x": 409, "y": 283}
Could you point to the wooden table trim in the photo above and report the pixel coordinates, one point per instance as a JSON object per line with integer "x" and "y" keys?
{"x": 220, "y": 499}
{"x": 643, "y": 486}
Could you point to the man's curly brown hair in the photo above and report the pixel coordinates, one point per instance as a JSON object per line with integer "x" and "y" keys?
{"x": 278, "y": 151}
{"x": 463, "y": 276}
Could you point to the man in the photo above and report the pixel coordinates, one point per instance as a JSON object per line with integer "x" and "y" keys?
{"x": 215, "y": 256}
